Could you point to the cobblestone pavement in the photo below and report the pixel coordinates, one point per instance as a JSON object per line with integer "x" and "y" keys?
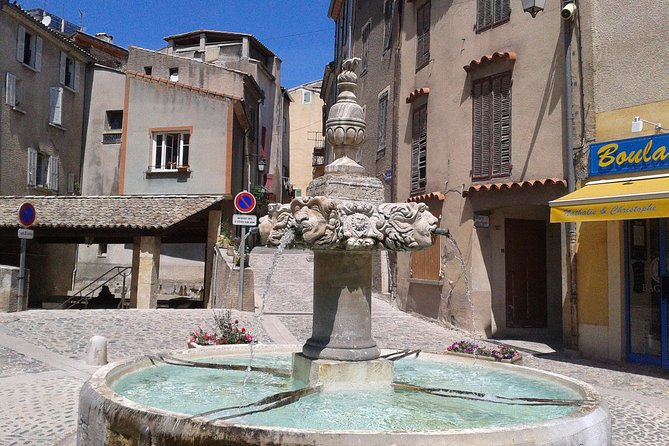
{"x": 42, "y": 355}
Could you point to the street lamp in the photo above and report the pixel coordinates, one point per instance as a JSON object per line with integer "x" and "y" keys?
{"x": 261, "y": 165}
{"x": 533, "y": 6}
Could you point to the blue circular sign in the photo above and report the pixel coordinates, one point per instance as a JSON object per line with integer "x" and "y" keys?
{"x": 245, "y": 202}
{"x": 27, "y": 214}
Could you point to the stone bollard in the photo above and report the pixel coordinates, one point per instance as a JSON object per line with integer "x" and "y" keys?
{"x": 96, "y": 351}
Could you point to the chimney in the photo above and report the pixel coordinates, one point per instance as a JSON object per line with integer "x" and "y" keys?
{"x": 105, "y": 37}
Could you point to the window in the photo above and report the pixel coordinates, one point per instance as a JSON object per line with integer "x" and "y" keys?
{"x": 170, "y": 151}
{"x": 382, "y": 127}
{"x": 491, "y": 127}
{"x": 102, "y": 250}
{"x": 114, "y": 120}
{"x": 29, "y": 49}
{"x": 42, "y": 170}
{"x": 113, "y": 127}
{"x": 174, "y": 74}
{"x": 306, "y": 97}
{"x": 388, "y": 24}
{"x": 148, "y": 70}
{"x": 12, "y": 91}
{"x": 365, "y": 46}
{"x": 491, "y": 13}
{"x": 423, "y": 35}
{"x": 69, "y": 72}
{"x": 56, "y": 106}
{"x": 419, "y": 150}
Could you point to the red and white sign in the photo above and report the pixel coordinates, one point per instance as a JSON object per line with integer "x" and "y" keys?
{"x": 245, "y": 202}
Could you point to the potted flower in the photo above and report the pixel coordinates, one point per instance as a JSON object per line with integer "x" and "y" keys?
{"x": 468, "y": 348}
{"x": 227, "y": 332}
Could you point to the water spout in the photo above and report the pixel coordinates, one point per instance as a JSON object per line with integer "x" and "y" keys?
{"x": 442, "y": 232}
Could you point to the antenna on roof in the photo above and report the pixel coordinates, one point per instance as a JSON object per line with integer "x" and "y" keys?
{"x": 81, "y": 19}
{"x": 46, "y": 20}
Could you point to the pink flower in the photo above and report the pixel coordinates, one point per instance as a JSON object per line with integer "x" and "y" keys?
{"x": 243, "y": 330}
{"x": 249, "y": 338}
{"x": 236, "y": 321}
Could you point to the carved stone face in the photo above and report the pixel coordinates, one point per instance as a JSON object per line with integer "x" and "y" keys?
{"x": 313, "y": 223}
{"x": 425, "y": 224}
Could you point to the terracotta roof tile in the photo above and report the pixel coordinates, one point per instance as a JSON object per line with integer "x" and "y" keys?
{"x": 498, "y": 55}
{"x": 514, "y": 185}
{"x": 118, "y": 212}
{"x": 417, "y": 93}
{"x": 425, "y": 197}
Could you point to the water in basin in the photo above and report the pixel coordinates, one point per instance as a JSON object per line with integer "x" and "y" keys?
{"x": 193, "y": 391}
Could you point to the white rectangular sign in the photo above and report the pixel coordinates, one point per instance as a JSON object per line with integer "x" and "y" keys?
{"x": 244, "y": 220}
{"x": 26, "y": 233}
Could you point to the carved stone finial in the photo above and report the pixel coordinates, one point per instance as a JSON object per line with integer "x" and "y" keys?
{"x": 345, "y": 126}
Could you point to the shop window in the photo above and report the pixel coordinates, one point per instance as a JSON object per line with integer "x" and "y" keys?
{"x": 491, "y": 13}
{"x": 491, "y": 127}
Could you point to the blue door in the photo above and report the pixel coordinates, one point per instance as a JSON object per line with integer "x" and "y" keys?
{"x": 647, "y": 289}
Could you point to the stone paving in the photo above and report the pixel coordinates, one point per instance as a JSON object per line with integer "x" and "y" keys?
{"x": 42, "y": 356}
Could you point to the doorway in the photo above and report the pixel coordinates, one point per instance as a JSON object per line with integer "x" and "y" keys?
{"x": 525, "y": 260}
{"x": 646, "y": 289}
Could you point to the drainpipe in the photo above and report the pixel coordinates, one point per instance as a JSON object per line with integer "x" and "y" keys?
{"x": 570, "y": 227}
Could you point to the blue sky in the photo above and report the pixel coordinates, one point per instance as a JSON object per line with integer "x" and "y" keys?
{"x": 298, "y": 31}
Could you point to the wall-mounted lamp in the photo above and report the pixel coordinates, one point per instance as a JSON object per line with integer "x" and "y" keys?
{"x": 637, "y": 125}
{"x": 261, "y": 165}
{"x": 533, "y": 6}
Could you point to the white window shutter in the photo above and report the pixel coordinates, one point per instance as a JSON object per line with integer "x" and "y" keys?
{"x": 77, "y": 68}
{"x": 56, "y": 105}
{"x": 71, "y": 178}
{"x": 32, "y": 167}
{"x": 20, "y": 43}
{"x": 63, "y": 63}
{"x": 10, "y": 89}
{"x": 52, "y": 173}
{"x": 38, "y": 54}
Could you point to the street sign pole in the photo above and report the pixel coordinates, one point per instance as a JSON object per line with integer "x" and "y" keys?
{"x": 22, "y": 275}
{"x": 242, "y": 255}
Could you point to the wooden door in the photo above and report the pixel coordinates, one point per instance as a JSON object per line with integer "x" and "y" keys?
{"x": 525, "y": 259}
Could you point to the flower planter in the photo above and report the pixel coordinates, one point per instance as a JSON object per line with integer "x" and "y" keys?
{"x": 485, "y": 358}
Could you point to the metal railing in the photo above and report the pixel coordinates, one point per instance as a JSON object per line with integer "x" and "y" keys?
{"x": 89, "y": 291}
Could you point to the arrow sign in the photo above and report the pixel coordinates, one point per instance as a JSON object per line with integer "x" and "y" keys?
{"x": 245, "y": 202}
{"x": 27, "y": 214}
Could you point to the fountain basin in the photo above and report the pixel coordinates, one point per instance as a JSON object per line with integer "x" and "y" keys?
{"x": 106, "y": 417}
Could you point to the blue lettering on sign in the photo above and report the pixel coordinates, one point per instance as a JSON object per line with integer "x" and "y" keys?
{"x": 640, "y": 154}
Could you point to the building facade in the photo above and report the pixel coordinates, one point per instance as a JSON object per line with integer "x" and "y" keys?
{"x": 306, "y": 134}
{"x": 619, "y": 207}
{"x": 41, "y": 125}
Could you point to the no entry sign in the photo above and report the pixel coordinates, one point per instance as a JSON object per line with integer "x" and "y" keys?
{"x": 245, "y": 202}
{"x": 27, "y": 214}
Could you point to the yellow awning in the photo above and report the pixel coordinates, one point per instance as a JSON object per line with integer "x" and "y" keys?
{"x": 621, "y": 199}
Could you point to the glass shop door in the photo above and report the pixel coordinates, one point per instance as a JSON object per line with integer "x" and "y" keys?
{"x": 647, "y": 289}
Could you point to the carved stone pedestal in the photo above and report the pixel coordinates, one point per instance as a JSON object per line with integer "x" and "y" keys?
{"x": 342, "y": 319}
{"x": 343, "y": 375}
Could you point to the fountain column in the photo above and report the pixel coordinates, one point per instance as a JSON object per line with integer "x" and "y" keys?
{"x": 342, "y": 320}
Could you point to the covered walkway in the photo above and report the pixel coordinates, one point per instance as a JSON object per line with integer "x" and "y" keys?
{"x": 145, "y": 221}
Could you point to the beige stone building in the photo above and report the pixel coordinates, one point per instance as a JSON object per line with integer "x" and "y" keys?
{"x": 41, "y": 117}
{"x": 306, "y": 134}
{"x": 492, "y": 123}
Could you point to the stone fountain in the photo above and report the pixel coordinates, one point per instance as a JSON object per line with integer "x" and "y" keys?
{"x": 343, "y": 220}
